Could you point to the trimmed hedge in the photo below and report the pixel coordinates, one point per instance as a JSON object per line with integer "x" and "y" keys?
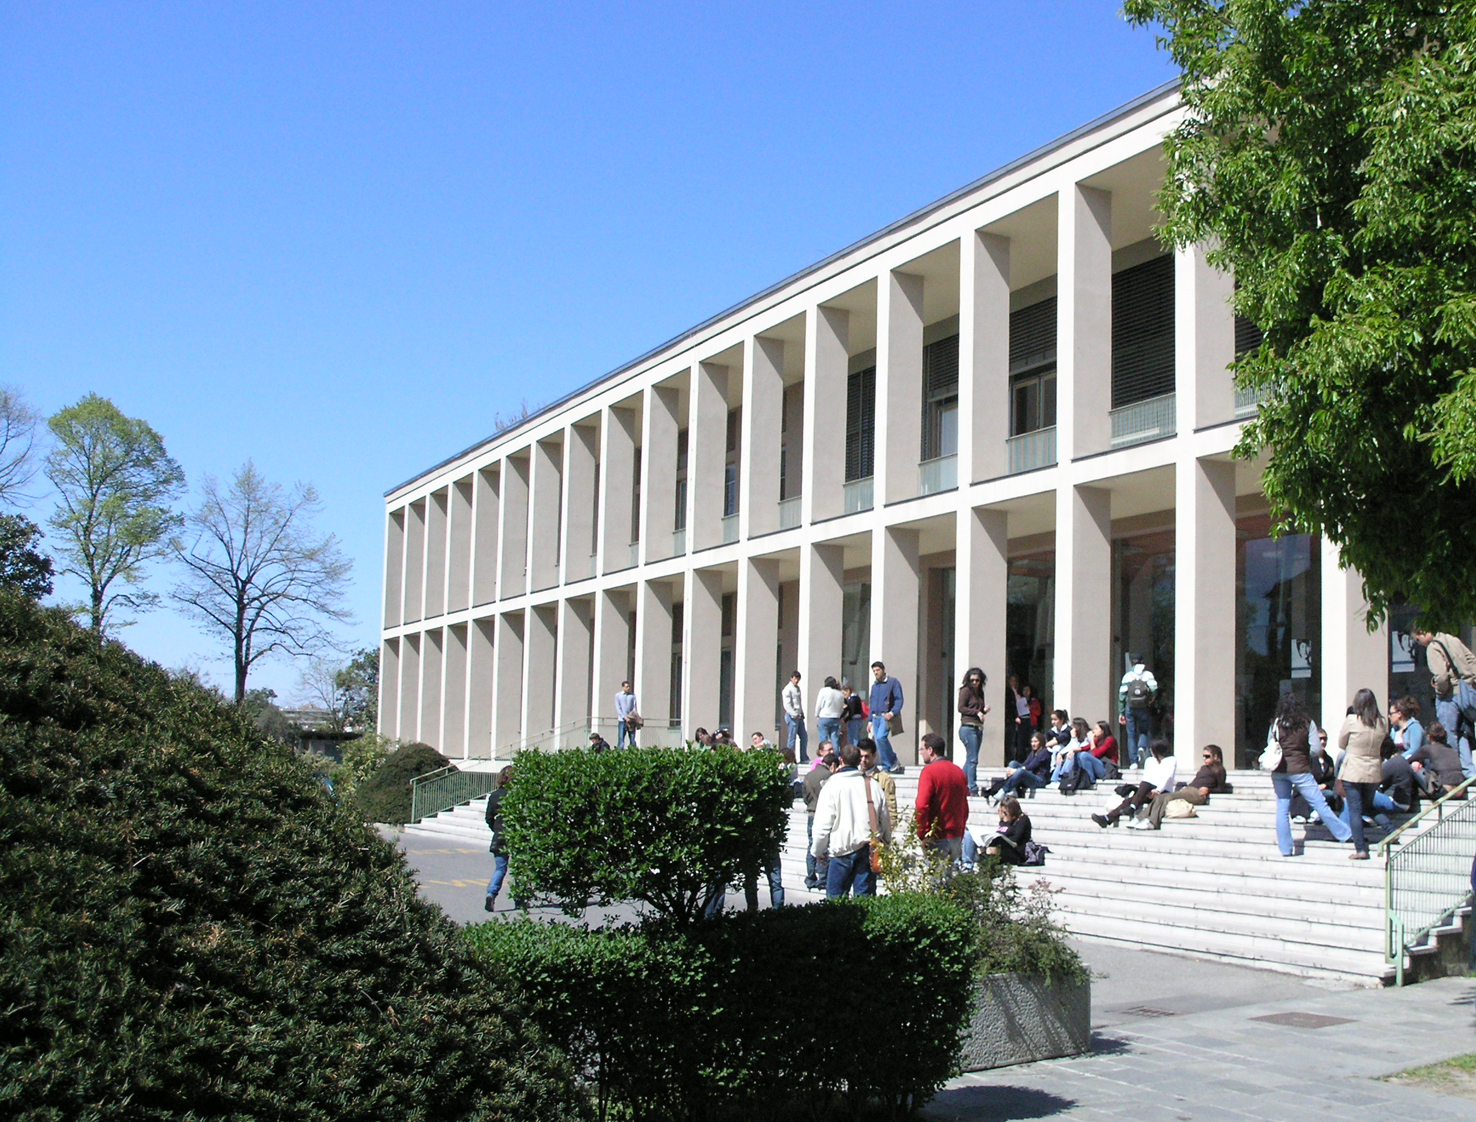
{"x": 752, "y": 1012}
{"x": 190, "y": 927}
{"x": 658, "y": 825}
{"x": 385, "y": 795}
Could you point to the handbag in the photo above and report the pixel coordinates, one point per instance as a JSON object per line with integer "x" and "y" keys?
{"x": 894, "y": 725}
{"x": 1180, "y": 808}
{"x": 875, "y": 828}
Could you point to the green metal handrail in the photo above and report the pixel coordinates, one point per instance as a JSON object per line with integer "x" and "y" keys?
{"x": 446, "y": 787}
{"x": 1427, "y": 876}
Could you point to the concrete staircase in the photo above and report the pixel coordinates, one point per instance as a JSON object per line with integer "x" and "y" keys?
{"x": 1214, "y": 886}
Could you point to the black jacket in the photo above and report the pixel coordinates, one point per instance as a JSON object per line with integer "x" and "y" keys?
{"x": 494, "y": 821}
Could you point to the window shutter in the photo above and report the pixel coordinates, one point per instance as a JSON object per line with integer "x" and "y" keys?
{"x": 1143, "y": 331}
{"x": 1033, "y": 335}
{"x": 940, "y": 369}
{"x": 860, "y": 423}
{"x": 1247, "y": 336}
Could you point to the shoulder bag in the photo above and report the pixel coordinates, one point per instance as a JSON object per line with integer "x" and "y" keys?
{"x": 1271, "y": 757}
{"x": 875, "y": 827}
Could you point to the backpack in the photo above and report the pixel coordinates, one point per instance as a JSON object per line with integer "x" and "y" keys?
{"x": 1035, "y": 853}
{"x": 1138, "y": 693}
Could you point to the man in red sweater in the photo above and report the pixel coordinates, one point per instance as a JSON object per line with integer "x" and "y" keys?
{"x": 942, "y": 799}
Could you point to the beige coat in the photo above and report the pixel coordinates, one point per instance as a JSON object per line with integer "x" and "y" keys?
{"x": 1364, "y": 747}
{"x": 1443, "y": 676}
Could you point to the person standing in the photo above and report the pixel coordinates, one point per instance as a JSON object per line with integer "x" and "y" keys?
{"x": 1453, "y": 678}
{"x": 971, "y": 710}
{"x": 1362, "y": 742}
{"x": 499, "y": 838}
{"x": 794, "y": 717}
{"x": 625, "y": 709}
{"x": 886, "y": 716}
{"x": 816, "y": 869}
{"x": 1017, "y": 714}
{"x": 1135, "y": 698}
{"x": 830, "y": 705}
{"x": 942, "y": 799}
{"x": 876, "y": 775}
{"x": 1294, "y": 732}
{"x": 853, "y": 717}
{"x": 850, "y": 814}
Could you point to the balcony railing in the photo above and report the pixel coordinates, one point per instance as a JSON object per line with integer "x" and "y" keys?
{"x": 679, "y": 542}
{"x": 858, "y": 495}
{"x": 730, "y": 529}
{"x": 940, "y": 474}
{"x": 789, "y": 513}
{"x": 1144, "y": 420}
{"x": 1247, "y": 401}
{"x": 1031, "y": 450}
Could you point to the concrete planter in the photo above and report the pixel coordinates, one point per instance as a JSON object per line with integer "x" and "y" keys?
{"x": 1019, "y": 1019}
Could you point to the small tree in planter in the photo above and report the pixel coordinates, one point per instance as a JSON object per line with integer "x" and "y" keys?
{"x": 663, "y": 826}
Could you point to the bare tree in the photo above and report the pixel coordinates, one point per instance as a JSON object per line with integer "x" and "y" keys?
{"x": 320, "y": 685}
{"x": 114, "y": 512}
{"x": 17, "y": 440}
{"x": 258, "y": 576}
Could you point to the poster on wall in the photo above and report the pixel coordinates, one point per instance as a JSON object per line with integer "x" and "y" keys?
{"x": 1301, "y": 652}
{"x": 1401, "y": 652}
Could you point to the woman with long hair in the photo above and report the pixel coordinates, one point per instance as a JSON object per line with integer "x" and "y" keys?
{"x": 1293, "y": 730}
{"x": 1361, "y": 740}
{"x": 971, "y": 710}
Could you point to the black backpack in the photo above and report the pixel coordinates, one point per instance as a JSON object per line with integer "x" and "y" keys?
{"x": 1138, "y": 693}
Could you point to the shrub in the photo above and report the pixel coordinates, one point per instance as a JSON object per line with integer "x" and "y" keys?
{"x": 190, "y": 927}
{"x": 385, "y": 795}
{"x": 362, "y": 757}
{"x": 687, "y": 1021}
{"x": 658, "y": 825}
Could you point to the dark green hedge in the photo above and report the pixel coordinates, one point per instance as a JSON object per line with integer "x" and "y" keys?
{"x": 385, "y": 795}
{"x": 750, "y": 1014}
{"x": 190, "y": 928}
{"x": 658, "y": 825}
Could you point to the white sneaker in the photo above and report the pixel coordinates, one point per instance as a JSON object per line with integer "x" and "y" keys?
{"x": 1316, "y": 818}
{"x": 1299, "y": 819}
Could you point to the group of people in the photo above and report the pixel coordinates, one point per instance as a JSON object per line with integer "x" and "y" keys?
{"x": 842, "y": 716}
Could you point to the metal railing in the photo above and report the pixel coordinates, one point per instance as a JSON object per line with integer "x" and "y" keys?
{"x": 730, "y": 529}
{"x": 858, "y": 495}
{"x": 1247, "y": 402}
{"x": 938, "y": 474}
{"x": 1427, "y": 872}
{"x": 679, "y": 542}
{"x": 575, "y": 734}
{"x": 446, "y": 787}
{"x": 1144, "y": 420}
{"x": 789, "y": 513}
{"x": 1030, "y": 450}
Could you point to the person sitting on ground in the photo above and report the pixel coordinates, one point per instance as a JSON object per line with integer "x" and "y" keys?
{"x": 1411, "y": 732}
{"x": 1207, "y": 781}
{"x": 1008, "y": 843}
{"x": 816, "y": 868}
{"x": 1325, "y": 774}
{"x": 872, "y": 769}
{"x": 1437, "y": 763}
{"x": 1158, "y": 775}
{"x": 1034, "y": 772}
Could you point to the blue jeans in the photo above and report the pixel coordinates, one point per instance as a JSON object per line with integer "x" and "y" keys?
{"x": 624, "y": 734}
{"x": 776, "y": 887}
{"x": 971, "y": 735}
{"x": 1307, "y": 787}
{"x": 884, "y": 754}
{"x": 829, "y": 729}
{"x": 855, "y": 730}
{"x": 1022, "y": 780}
{"x": 499, "y": 874}
{"x": 816, "y": 868}
{"x": 1448, "y": 713}
{"x": 1357, "y": 798}
{"x": 1084, "y": 761}
{"x": 798, "y": 732}
{"x": 1139, "y": 729}
{"x": 851, "y": 873}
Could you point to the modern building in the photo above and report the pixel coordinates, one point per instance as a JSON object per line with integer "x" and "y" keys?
{"x": 997, "y": 432}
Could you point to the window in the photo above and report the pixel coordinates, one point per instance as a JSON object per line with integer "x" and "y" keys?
{"x": 940, "y": 399}
{"x": 861, "y": 424}
{"x": 679, "y": 519}
{"x": 1247, "y": 336}
{"x": 1143, "y": 331}
{"x": 1033, "y": 367}
{"x": 635, "y": 501}
{"x": 730, "y": 469}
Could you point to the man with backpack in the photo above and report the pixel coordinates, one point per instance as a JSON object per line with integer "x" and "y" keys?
{"x": 1453, "y": 677}
{"x": 1135, "y": 698}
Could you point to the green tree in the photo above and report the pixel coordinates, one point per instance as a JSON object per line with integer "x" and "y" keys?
{"x": 1327, "y": 157}
{"x": 358, "y": 687}
{"x": 258, "y": 575}
{"x": 23, "y": 567}
{"x": 116, "y": 484}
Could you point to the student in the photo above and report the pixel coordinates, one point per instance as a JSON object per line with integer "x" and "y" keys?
{"x": 830, "y": 705}
{"x": 971, "y": 710}
{"x": 1008, "y": 843}
{"x": 853, "y": 716}
{"x": 1207, "y": 781}
{"x": 1032, "y": 773}
{"x": 1158, "y": 775}
{"x": 1411, "y": 733}
{"x": 1294, "y": 732}
{"x": 1361, "y": 740}
{"x": 1082, "y": 768}
{"x": 1437, "y": 764}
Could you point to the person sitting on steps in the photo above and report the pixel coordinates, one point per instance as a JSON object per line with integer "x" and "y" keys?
{"x": 1081, "y": 768}
{"x": 1209, "y": 780}
{"x": 1158, "y": 775}
{"x": 1027, "y": 776}
{"x": 1008, "y": 841}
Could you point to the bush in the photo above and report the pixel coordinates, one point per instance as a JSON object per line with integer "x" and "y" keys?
{"x": 190, "y": 927}
{"x": 385, "y": 795}
{"x": 362, "y": 757}
{"x": 658, "y": 825}
{"x": 674, "y": 1021}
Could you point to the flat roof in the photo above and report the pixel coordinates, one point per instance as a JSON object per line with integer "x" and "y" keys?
{"x": 922, "y": 212}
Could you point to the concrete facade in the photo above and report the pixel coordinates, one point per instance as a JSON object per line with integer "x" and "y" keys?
{"x": 688, "y": 520}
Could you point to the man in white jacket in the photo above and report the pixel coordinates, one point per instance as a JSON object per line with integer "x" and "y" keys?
{"x": 843, "y": 831}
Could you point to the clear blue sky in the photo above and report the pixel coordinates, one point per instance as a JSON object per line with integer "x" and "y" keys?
{"x": 338, "y": 238}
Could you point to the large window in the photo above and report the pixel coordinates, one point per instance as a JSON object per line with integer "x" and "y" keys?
{"x": 730, "y": 467}
{"x": 1143, "y": 331}
{"x": 1030, "y": 623}
{"x": 940, "y": 399}
{"x": 679, "y": 516}
{"x": 1143, "y": 617}
{"x": 861, "y": 424}
{"x": 1033, "y": 367}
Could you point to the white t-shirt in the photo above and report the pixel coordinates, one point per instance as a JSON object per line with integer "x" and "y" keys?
{"x": 829, "y": 703}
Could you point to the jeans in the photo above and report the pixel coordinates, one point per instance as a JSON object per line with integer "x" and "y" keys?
{"x": 1021, "y": 780}
{"x": 1357, "y": 797}
{"x": 884, "y": 754}
{"x": 816, "y": 868}
{"x": 1448, "y": 713}
{"x": 798, "y": 732}
{"x": 829, "y": 729}
{"x": 499, "y": 874}
{"x": 1307, "y": 787}
{"x": 851, "y": 873}
{"x": 776, "y": 887}
{"x": 1095, "y": 768}
{"x": 1139, "y": 729}
{"x": 971, "y": 735}
{"x": 855, "y": 730}
{"x": 624, "y": 735}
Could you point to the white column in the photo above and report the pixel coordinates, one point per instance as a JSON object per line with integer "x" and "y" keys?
{"x": 481, "y": 685}
{"x": 576, "y": 636}
{"x": 414, "y": 562}
{"x": 658, "y": 474}
{"x": 754, "y": 646}
{"x": 435, "y": 554}
{"x": 821, "y": 619}
{"x": 979, "y": 619}
{"x": 653, "y": 650}
{"x": 459, "y": 555}
{"x": 581, "y": 449}
{"x": 899, "y": 343}
{"x": 617, "y": 488}
{"x": 983, "y": 357}
{"x": 763, "y": 423}
{"x": 1204, "y": 342}
{"x": 1083, "y": 591}
{"x": 707, "y": 443}
{"x": 827, "y": 332}
{"x": 486, "y": 499}
{"x": 1204, "y": 609}
{"x": 895, "y": 600}
{"x": 540, "y": 662}
{"x": 514, "y": 547}
{"x": 1084, "y": 323}
{"x": 394, "y": 566}
{"x": 453, "y": 695}
{"x": 702, "y": 644}
{"x": 410, "y": 646}
{"x": 1353, "y": 658}
{"x": 389, "y": 688}
{"x": 545, "y": 508}
{"x": 611, "y": 649}
{"x": 507, "y": 711}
